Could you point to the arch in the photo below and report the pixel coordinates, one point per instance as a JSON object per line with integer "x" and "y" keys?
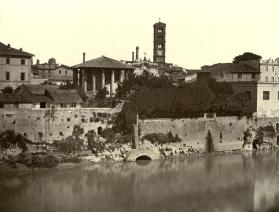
{"x": 143, "y": 157}
{"x": 100, "y": 129}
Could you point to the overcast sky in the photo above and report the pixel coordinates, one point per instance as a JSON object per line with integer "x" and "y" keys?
{"x": 199, "y": 32}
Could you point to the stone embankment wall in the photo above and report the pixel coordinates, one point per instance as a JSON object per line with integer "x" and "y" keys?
{"x": 227, "y": 132}
{"x": 48, "y": 125}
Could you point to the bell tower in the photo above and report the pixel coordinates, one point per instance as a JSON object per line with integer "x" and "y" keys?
{"x": 159, "y": 42}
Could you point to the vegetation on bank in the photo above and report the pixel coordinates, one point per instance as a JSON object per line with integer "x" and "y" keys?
{"x": 156, "y": 97}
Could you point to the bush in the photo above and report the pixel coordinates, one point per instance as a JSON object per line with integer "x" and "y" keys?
{"x": 109, "y": 135}
{"x": 93, "y": 144}
{"x": 77, "y": 131}
{"x": 8, "y": 89}
{"x": 68, "y": 145}
{"x": 162, "y": 138}
{"x": 269, "y": 131}
{"x": 11, "y": 139}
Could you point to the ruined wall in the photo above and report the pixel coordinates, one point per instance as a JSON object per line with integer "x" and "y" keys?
{"x": 227, "y": 132}
{"x": 49, "y": 125}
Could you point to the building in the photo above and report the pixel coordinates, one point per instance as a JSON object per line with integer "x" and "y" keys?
{"x": 93, "y": 75}
{"x": 258, "y": 79}
{"x": 52, "y": 72}
{"x": 268, "y": 88}
{"x": 159, "y": 43}
{"x": 46, "y": 96}
{"x": 243, "y": 78}
{"x": 15, "y": 66}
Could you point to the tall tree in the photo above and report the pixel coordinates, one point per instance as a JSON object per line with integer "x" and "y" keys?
{"x": 246, "y": 56}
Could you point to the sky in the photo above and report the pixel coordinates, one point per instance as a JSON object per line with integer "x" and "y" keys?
{"x": 199, "y": 32}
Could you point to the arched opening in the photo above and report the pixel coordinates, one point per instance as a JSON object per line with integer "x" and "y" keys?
{"x": 143, "y": 157}
{"x": 100, "y": 130}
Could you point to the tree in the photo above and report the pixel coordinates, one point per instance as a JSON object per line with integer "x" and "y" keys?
{"x": 246, "y": 56}
{"x": 144, "y": 81}
{"x": 102, "y": 94}
{"x": 8, "y": 89}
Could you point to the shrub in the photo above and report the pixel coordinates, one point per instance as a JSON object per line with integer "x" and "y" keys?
{"x": 38, "y": 160}
{"x": 162, "y": 138}
{"x": 109, "y": 135}
{"x": 68, "y": 145}
{"x": 93, "y": 144}
{"x": 77, "y": 131}
{"x": 269, "y": 131}
{"x": 11, "y": 139}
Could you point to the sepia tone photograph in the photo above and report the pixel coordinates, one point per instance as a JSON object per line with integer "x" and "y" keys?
{"x": 139, "y": 106}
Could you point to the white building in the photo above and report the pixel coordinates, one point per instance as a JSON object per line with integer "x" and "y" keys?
{"x": 268, "y": 88}
{"x": 15, "y": 66}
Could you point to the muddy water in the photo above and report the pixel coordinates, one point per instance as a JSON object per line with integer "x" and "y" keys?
{"x": 227, "y": 183}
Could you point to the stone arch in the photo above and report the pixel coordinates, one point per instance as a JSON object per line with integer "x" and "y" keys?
{"x": 143, "y": 157}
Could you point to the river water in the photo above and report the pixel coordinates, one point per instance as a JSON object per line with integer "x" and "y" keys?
{"x": 219, "y": 183}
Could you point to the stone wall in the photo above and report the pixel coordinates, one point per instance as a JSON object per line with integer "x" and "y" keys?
{"x": 49, "y": 125}
{"x": 227, "y": 132}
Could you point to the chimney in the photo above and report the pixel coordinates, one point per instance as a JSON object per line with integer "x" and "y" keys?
{"x": 20, "y": 49}
{"x": 38, "y": 62}
{"x": 137, "y": 53}
{"x": 83, "y": 59}
{"x": 9, "y": 46}
{"x": 133, "y": 56}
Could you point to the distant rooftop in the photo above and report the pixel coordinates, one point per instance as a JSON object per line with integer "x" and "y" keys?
{"x": 7, "y": 50}
{"x": 231, "y": 68}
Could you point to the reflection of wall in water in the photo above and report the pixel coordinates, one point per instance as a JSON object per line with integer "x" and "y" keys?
{"x": 266, "y": 194}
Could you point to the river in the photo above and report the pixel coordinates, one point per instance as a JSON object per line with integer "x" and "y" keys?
{"x": 218, "y": 183}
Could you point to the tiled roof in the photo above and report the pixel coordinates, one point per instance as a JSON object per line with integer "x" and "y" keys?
{"x": 36, "y": 89}
{"x": 65, "y": 96}
{"x": 9, "y": 51}
{"x": 231, "y": 68}
{"x": 23, "y": 98}
{"x": 103, "y": 62}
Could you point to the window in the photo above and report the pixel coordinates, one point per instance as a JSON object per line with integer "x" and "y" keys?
{"x": 7, "y": 76}
{"x": 266, "y": 79}
{"x": 253, "y": 76}
{"x": 63, "y": 105}
{"x": 22, "y": 76}
{"x": 249, "y": 94}
{"x": 59, "y": 72}
{"x": 272, "y": 79}
{"x": 239, "y": 76}
{"x": 66, "y": 72}
{"x": 265, "y": 95}
{"x": 7, "y": 60}
{"x": 22, "y": 61}
{"x": 73, "y": 105}
{"x": 159, "y": 46}
{"x": 160, "y": 31}
{"x": 49, "y": 71}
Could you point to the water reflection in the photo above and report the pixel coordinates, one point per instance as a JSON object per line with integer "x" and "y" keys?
{"x": 240, "y": 182}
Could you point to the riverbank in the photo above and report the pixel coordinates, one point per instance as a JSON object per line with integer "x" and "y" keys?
{"x": 45, "y": 156}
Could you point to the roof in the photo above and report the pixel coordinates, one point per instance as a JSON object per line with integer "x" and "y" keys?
{"x": 192, "y": 71}
{"x": 159, "y": 23}
{"x": 22, "y": 98}
{"x": 7, "y": 50}
{"x": 231, "y": 68}
{"x": 103, "y": 62}
{"x": 36, "y": 89}
{"x": 178, "y": 75}
{"x": 65, "y": 96}
{"x": 13, "y": 98}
